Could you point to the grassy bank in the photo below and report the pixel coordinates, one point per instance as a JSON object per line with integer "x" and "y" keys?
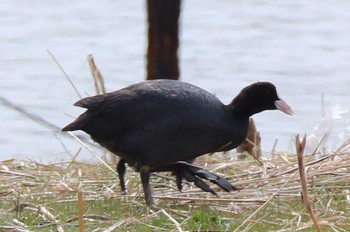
{"x": 44, "y": 197}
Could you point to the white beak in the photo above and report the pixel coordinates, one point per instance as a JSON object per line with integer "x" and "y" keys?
{"x": 284, "y": 107}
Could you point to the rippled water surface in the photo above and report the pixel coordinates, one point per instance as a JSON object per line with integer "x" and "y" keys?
{"x": 301, "y": 46}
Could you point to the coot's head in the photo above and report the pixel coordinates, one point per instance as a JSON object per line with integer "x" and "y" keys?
{"x": 258, "y": 97}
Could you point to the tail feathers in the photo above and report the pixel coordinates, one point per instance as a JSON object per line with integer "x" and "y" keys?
{"x": 72, "y": 126}
{"x": 79, "y": 123}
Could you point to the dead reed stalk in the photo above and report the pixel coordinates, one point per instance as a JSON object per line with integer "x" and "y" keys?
{"x": 96, "y": 74}
{"x": 300, "y": 146}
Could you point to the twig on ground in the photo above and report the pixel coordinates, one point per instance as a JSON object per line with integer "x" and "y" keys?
{"x": 114, "y": 226}
{"x": 172, "y": 219}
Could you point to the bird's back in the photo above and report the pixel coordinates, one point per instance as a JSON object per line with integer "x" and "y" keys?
{"x": 158, "y": 122}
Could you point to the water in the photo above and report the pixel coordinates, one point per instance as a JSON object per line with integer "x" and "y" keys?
{"x": 301, "y": 46}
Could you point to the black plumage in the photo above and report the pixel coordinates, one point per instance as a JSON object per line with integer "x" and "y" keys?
{"x": 163, "y": 125}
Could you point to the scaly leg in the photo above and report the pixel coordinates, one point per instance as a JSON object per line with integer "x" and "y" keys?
{"x": 121, "y": 173}
{"x": 145, "y": 175}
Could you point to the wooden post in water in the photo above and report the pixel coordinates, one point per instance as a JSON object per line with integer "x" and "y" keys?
{"x": 163, "y": 39}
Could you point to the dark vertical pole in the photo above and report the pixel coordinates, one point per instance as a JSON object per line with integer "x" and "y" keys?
{"x": 163, "y": 39}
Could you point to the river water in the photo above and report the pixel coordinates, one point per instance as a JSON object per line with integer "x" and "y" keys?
{"x": 303, "y": 47}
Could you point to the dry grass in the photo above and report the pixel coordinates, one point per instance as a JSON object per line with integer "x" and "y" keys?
{"x": 37, "y": 196}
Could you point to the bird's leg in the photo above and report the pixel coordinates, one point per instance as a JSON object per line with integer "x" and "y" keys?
{"x": 176, "y": 171}
{"x": 179, "y": 178}
{"x": 145, "y": 175}
{"x": 191, "y": 173}
{"x": 205, "y": 174}
{"x": 197, "y": 182}
{"x": 182, "y": 170}
{"x": 121, "y": 173}
{"x": 179, "y": 175}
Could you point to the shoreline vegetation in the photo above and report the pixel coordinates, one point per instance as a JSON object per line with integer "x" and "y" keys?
{"x": 71, "y": 195}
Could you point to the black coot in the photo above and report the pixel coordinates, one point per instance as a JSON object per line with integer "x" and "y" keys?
{"x": 163, "y": 125}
